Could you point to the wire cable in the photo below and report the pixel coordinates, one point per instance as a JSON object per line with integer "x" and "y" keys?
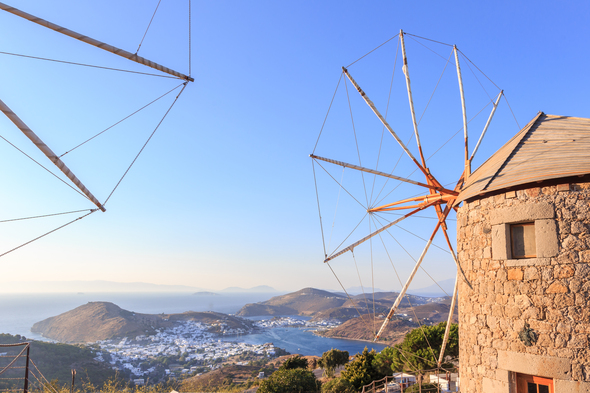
{"x": 144, "y": 145}
{"x": 368, "y": 53}
{"x": 44, "y": 167}
{"x": 479, "y": 69}
{"x": 190, "y": 46}
{"x": 427, "y": 39}
{"x": 44, "y": 216}
{"x": 386, "y": 114}
{"x": 327, "y": 113}
{"x": 435, "y": 87}
{"x": 344, "y": 188}
{"x": 511, "y": 111}
{"x": 317, "y": 196}
{"x": 358, "y": 152}
{"x": 88, "y": 65}
{"x": 120, "y": 121}
{"x": 346, "y": 292}
{"x": 54, "y": 230}
{"x": 149, "y": 24}
{"x": 336, "y": 210}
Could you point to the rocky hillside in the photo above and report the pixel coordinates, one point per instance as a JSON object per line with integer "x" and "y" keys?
{"x": 307, "y": 301}
{"x": 323, "y": 305}
{"x": 365, "y": 327}
{"x": 103, "y": 320}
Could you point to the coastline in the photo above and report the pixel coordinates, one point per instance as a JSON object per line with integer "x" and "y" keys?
{"x": 315, "y": 332}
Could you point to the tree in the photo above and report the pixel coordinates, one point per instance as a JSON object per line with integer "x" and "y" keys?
{"x": 419, "y": 350}
{"x": 294, "y": 362}
{"x": 332, "y": 359}
{"x": 338, "y": 385}
{"x": 295, "y": 380}
{"x": 360, "y": 371}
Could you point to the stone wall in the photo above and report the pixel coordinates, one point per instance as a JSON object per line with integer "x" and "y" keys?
{"x": 550, "y": 292}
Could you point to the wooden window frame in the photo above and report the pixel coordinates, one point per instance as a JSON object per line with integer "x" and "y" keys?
{"x": 512, "y": 242}
{"x": 522, "y": 381}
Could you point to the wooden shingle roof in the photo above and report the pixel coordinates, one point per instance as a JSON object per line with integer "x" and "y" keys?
{"x": 549, "y": 147}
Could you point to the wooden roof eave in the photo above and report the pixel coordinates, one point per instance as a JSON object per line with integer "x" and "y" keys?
{"x": 493, "y": 165}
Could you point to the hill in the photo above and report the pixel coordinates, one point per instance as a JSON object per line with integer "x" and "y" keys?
{"x": 55, "y": 361}
{"x": 103, "y": 321}
{"x": 364, "y": 328}
{"x": 307, "y": 301}
{"x": 323, "y": 305}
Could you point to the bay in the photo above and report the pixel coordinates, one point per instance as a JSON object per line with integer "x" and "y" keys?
{"x": 305, "y": 342}
{"x": 18, "y": 312}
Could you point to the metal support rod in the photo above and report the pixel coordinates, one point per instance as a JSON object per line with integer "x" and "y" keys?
{"x": 364, "y": 239}
{"x": 26, "y": 387}
{"x": 486, "y": 126}
{"x": 407, "y": 284}
{"x": 93, "y": 42}
{"x": 449, "y": 321}
{"x": 363, "y": 169}
{"x": 467, "y": 162}
{"x": 48, "y": 152}
{"x": 406, "y": 71}
{"x": 385, "y": 123}
{"x": 73, "y": 380}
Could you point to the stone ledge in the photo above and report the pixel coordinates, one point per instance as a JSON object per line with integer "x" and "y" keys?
{"x": 522, "y": 213}
{"x": 571, "y": 386}
{"x": 528, "y": 262}
{"x": 543, "y": 366}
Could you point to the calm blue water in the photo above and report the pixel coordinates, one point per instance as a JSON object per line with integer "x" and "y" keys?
{"x": 18, "y": 312}
{"x": 304, "y": 342}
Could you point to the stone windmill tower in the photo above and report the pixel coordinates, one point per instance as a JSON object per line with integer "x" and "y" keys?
{"x": 523, "y": 241}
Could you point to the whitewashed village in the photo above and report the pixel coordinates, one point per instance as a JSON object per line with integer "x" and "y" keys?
{"x": 194, "y": 343}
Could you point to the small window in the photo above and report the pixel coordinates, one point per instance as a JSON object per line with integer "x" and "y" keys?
{"x": 523, "y": 240}
{"x": 533, "y": 384}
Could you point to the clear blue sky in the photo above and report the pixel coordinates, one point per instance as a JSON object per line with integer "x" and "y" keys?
{"x": 224, "y": 193}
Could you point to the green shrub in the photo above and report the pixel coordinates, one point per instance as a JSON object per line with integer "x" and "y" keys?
{"x": 338, "y": 385}
{"x": 294, "y": 380}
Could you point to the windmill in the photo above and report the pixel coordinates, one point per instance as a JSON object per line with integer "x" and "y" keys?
{"x": 71, "y": 179}
{"x": 430, "y": 193}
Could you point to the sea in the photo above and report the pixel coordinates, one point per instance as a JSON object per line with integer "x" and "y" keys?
{"x": 18, "y": 312}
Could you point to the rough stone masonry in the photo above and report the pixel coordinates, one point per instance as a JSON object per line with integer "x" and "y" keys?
{"x": 550, "y": 292}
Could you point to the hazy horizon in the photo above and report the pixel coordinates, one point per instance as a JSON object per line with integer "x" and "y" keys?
{"x": 104, "y": 286}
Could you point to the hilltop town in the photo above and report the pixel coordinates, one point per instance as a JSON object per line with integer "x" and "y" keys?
{"x": 193, "y": 346}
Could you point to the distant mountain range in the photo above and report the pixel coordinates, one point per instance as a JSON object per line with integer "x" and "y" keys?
{"x": 258, "y": 289}
{"x": 444, "y": 288}
{"x": 90, "y": 286}
{"x": 80, "y": 286}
